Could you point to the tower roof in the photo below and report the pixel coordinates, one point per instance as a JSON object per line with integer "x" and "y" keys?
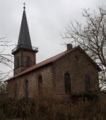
{"x": 24, "y": 41}
{"x": 24, "y": 36}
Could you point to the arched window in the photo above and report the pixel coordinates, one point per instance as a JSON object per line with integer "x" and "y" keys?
{"x": 40, "y": 83}
{"x": 87, "y": 83}
{"x": 27, "y": 89}
{"x": 76, "y": 59}
{"x": 15, "y": 91}
{"x": 17, "y": 61}
{"x": 28, "y": 61}
{"x": 67, "y": 83}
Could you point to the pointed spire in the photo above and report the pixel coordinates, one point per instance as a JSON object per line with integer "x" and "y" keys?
{"x": 24, "y": 5}
{"x": 24, "y": 41}
{"x": 24, "y": 36}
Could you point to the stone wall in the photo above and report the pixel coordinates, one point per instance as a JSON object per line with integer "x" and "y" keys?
{"x": 77, "y": 71}
{"x": 22, "y": 55}
{"x": 32, "y": 77}
{"x": 53, "y": 76}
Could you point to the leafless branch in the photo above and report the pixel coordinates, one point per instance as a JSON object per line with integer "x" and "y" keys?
{"x": 91, "y": 36}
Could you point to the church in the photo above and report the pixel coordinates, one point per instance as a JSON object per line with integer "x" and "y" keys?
{"x": 71, "y": 71}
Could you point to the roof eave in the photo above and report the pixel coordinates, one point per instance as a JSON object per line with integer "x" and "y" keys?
{"x": 27, "y": 72}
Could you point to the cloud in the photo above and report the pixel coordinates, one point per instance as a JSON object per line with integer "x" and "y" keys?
{"x": 46, "y": 20}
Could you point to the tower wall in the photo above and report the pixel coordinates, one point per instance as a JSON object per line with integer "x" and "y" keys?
{"x": 22, "y": 60}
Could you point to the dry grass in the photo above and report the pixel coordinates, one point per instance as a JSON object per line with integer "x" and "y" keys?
{"x": 47, "y": 107}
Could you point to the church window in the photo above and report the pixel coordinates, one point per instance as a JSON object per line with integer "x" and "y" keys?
{"x": 28, "y": 61}
{"x": 87, "y": 83}
{"x": 76, "y": 59}
{"x": 17, "y": 61}
{"x": 27, "y": 89}
{"x": 67, "y": 83}
{"x": 40, "y": 83}
{"x": 15, "y": 91}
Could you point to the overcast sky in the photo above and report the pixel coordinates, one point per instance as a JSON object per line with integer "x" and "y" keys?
{"x": 47, "y": 20}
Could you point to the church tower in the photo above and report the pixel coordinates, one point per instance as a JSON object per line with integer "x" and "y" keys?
{"x": 24, "y": 53}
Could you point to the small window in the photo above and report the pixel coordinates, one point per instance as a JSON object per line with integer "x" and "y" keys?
{"x": 15, "y": 91}
{"x": 76, "y": 59}
{"x": 27, "y": 89}
{"x": 40, "y": 83}
{"x": 28, "y": 61}
{"x": 67, "y": 83}
{"x": 87, "y": 83}
{"x": 17, "y": 61}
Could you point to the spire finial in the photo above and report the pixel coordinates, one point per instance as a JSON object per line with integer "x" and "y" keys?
{"x": 24, "y": 5}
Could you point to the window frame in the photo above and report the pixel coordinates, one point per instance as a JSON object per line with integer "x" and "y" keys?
{"x": 39, "y": 83}
{"x": 67, "y": 83}
{"x": 28, "y": 61}
{"x": 15, "y": 91}
{"x": 27, "y": 88}
{"x": 76, "y": 58}
{"x": 87, "y": 83}
{"x": 18, "y": 64}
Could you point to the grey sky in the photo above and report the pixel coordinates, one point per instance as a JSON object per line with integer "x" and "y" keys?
{"x": 46, "y": 20}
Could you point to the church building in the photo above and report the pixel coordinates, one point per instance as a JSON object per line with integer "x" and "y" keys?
{"x": 71, "y": 71}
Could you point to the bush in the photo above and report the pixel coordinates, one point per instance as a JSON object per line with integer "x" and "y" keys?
{"x": 55, "y": 108}
{"x": 90, "y": 96}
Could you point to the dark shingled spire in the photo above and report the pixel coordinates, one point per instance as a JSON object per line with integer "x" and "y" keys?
{"x": 24, "y": 41}
{"x": 24, "y": 36}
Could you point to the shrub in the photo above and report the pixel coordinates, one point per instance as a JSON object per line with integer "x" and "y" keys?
{"x": 90, "y": 96}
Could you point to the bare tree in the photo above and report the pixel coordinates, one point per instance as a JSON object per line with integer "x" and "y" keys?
{"x": 91, "y": 37}
{"x": 5, "y": 59}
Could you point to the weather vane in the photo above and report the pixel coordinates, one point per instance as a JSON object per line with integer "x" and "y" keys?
{"x": 24, "y": 5}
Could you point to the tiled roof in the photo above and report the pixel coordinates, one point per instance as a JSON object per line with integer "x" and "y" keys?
{"x": 51, "y": 60}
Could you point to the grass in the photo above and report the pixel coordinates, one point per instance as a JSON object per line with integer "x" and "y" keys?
{"x": 49, "y": 107}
